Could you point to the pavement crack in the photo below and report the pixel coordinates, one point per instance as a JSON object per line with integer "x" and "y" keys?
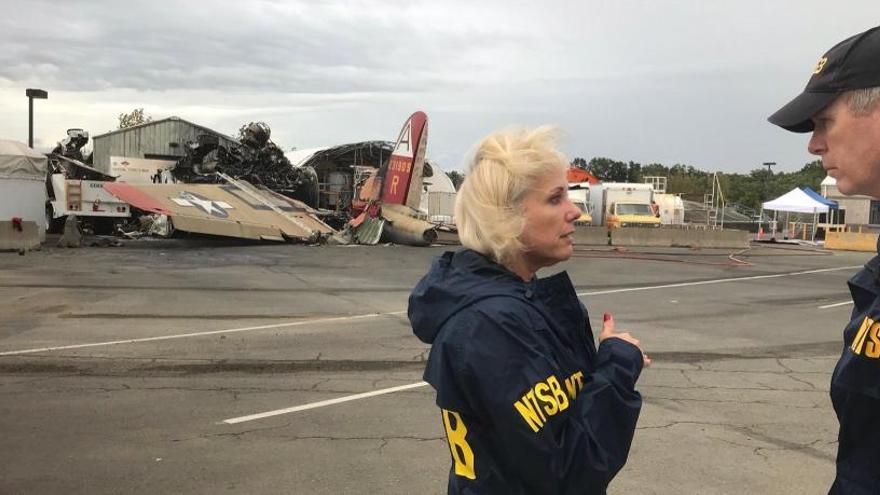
{"x": 678, "y": 423}
{"x": 783, "y": 366}
{"x": 805, "y": 382}
{"x": 731, "y": 401}
{"x": 688, "y": 379}
{"x": 234, "y": 434}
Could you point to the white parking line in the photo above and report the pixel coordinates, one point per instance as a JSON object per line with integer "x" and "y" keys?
{"x": 199, "y": 334}
{"x": 376, "y": 315}
{"x": 384, "y": 391}
{"x": 835, "y": 305}
{"x": 718, "y": 281}
{"x": 323, "y": 403}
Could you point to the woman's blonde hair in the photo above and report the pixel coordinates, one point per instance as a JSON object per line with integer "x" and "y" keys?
{"x": 505, "y": 164}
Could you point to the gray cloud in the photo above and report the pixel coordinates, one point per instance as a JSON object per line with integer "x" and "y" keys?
{"x": 672, "y": 81}
{"x": 162, "y": 45}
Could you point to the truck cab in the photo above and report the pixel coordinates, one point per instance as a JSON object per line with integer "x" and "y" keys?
{"x": 632, "y": 214}
{"x": 581, "y": 198}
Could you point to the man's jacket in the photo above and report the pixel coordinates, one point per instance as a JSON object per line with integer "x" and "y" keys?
{"x": 527, "y": 402}
{"x": 855, "y": 389}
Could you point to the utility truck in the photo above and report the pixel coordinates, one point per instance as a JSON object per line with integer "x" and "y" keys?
{"x": 74, "y": 188}
{"x": 620, "y": 204}
{"x": 579, "y": 194}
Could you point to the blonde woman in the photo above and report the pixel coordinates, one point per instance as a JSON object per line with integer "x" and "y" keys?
{"x": 528, "y": 402}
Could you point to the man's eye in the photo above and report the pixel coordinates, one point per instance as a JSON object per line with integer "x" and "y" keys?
{"x": 555, "y": 199}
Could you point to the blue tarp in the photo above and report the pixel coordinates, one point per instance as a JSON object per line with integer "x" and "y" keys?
{"x": 818, "y": 197}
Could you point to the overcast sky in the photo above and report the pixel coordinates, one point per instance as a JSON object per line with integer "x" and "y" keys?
{"x": 689, "y": 81}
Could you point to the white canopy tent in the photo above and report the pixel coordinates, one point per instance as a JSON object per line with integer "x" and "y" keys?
{"x": 800, "y": 200}
{"x": 23, "y": 184}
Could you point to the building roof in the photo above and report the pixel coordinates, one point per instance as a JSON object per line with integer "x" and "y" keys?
{"x": 173, "y": 118}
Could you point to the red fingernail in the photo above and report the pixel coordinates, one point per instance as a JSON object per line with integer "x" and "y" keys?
{"x": 606, "y": 316}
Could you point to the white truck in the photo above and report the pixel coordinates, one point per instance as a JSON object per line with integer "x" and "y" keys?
{"x": 579, "y": 194}
{"x": 670, "y": 207}
{"x": 74, "y": 188}
{"x": 621, "y": 204}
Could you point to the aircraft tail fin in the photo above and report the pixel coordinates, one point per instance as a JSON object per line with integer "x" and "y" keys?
{"x": 402, "y": 182}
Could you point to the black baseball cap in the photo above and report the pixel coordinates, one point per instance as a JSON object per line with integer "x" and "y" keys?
{"x": 854, "y": 63}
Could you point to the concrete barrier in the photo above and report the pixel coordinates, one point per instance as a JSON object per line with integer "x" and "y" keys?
{"x": 679, "y": 237}
{"x": 641, "y": 236}
{"x": 590, "y": 236}
{"x": 851, "y": 241}
{"x": 727, "y": 239}
{"x": 13, "y": 240}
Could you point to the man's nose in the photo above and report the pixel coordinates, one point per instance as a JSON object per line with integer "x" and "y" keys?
{"x": 816, "y": 146}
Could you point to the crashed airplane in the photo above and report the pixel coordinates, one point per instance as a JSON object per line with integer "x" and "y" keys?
{"x": 235, "y": 209}
{"x": 252, "y": 191}
{"x": 371, "y": 190}
{"x": 256, "y": 159}
{"x": 386, "y": 203}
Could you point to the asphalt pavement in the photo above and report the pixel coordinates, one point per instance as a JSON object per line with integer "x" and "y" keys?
{"x": 197, "y": 366}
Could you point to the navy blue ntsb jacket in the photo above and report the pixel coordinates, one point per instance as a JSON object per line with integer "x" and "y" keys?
{"x": 527, "y": 402}
{"x": 855, "y": 389}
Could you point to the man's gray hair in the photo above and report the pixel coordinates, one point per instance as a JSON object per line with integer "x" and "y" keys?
{"x": 864, "y": 101}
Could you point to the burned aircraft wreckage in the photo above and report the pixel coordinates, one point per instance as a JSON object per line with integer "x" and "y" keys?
{"x": 327, "y": 179}
{"x": 256, "y": 159}
{"x": 370, "y": 190}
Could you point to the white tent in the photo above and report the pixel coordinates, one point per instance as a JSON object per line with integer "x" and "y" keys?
{"x": 17, "y": 161}
{"x": 798, "y": 201}
{"x": 438, "y": 196}
{"x": 23, "y": 184}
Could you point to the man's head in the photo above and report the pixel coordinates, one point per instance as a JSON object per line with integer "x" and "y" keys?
{"x": 846, "y": 135}
{"x": 840, "y": 106}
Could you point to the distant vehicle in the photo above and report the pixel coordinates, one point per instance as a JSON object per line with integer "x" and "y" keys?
{"x": 671, "y": 208}
{"x": 579, "y": 194}
{"x": 74, "y": 188}
{"x": 620, "y": 204}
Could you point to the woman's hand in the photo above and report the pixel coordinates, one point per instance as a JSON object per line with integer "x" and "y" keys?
{"x": 609, "y": 333}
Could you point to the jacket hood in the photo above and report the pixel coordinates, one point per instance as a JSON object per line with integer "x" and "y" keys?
{"x": 456, "y": 280}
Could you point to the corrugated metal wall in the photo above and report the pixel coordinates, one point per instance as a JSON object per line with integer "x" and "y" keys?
{"x": 149, "y": 139}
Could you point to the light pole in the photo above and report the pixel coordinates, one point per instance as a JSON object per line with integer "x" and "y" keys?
{"x": 31, "y": 94}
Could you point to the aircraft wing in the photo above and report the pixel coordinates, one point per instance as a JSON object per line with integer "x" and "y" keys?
{"x": 236, "y": 209}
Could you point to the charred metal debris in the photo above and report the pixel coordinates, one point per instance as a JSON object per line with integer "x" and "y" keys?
{"x": 255, "y": 159}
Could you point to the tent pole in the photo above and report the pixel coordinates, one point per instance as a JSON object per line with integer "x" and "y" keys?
{"x": 815, "y": 221}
